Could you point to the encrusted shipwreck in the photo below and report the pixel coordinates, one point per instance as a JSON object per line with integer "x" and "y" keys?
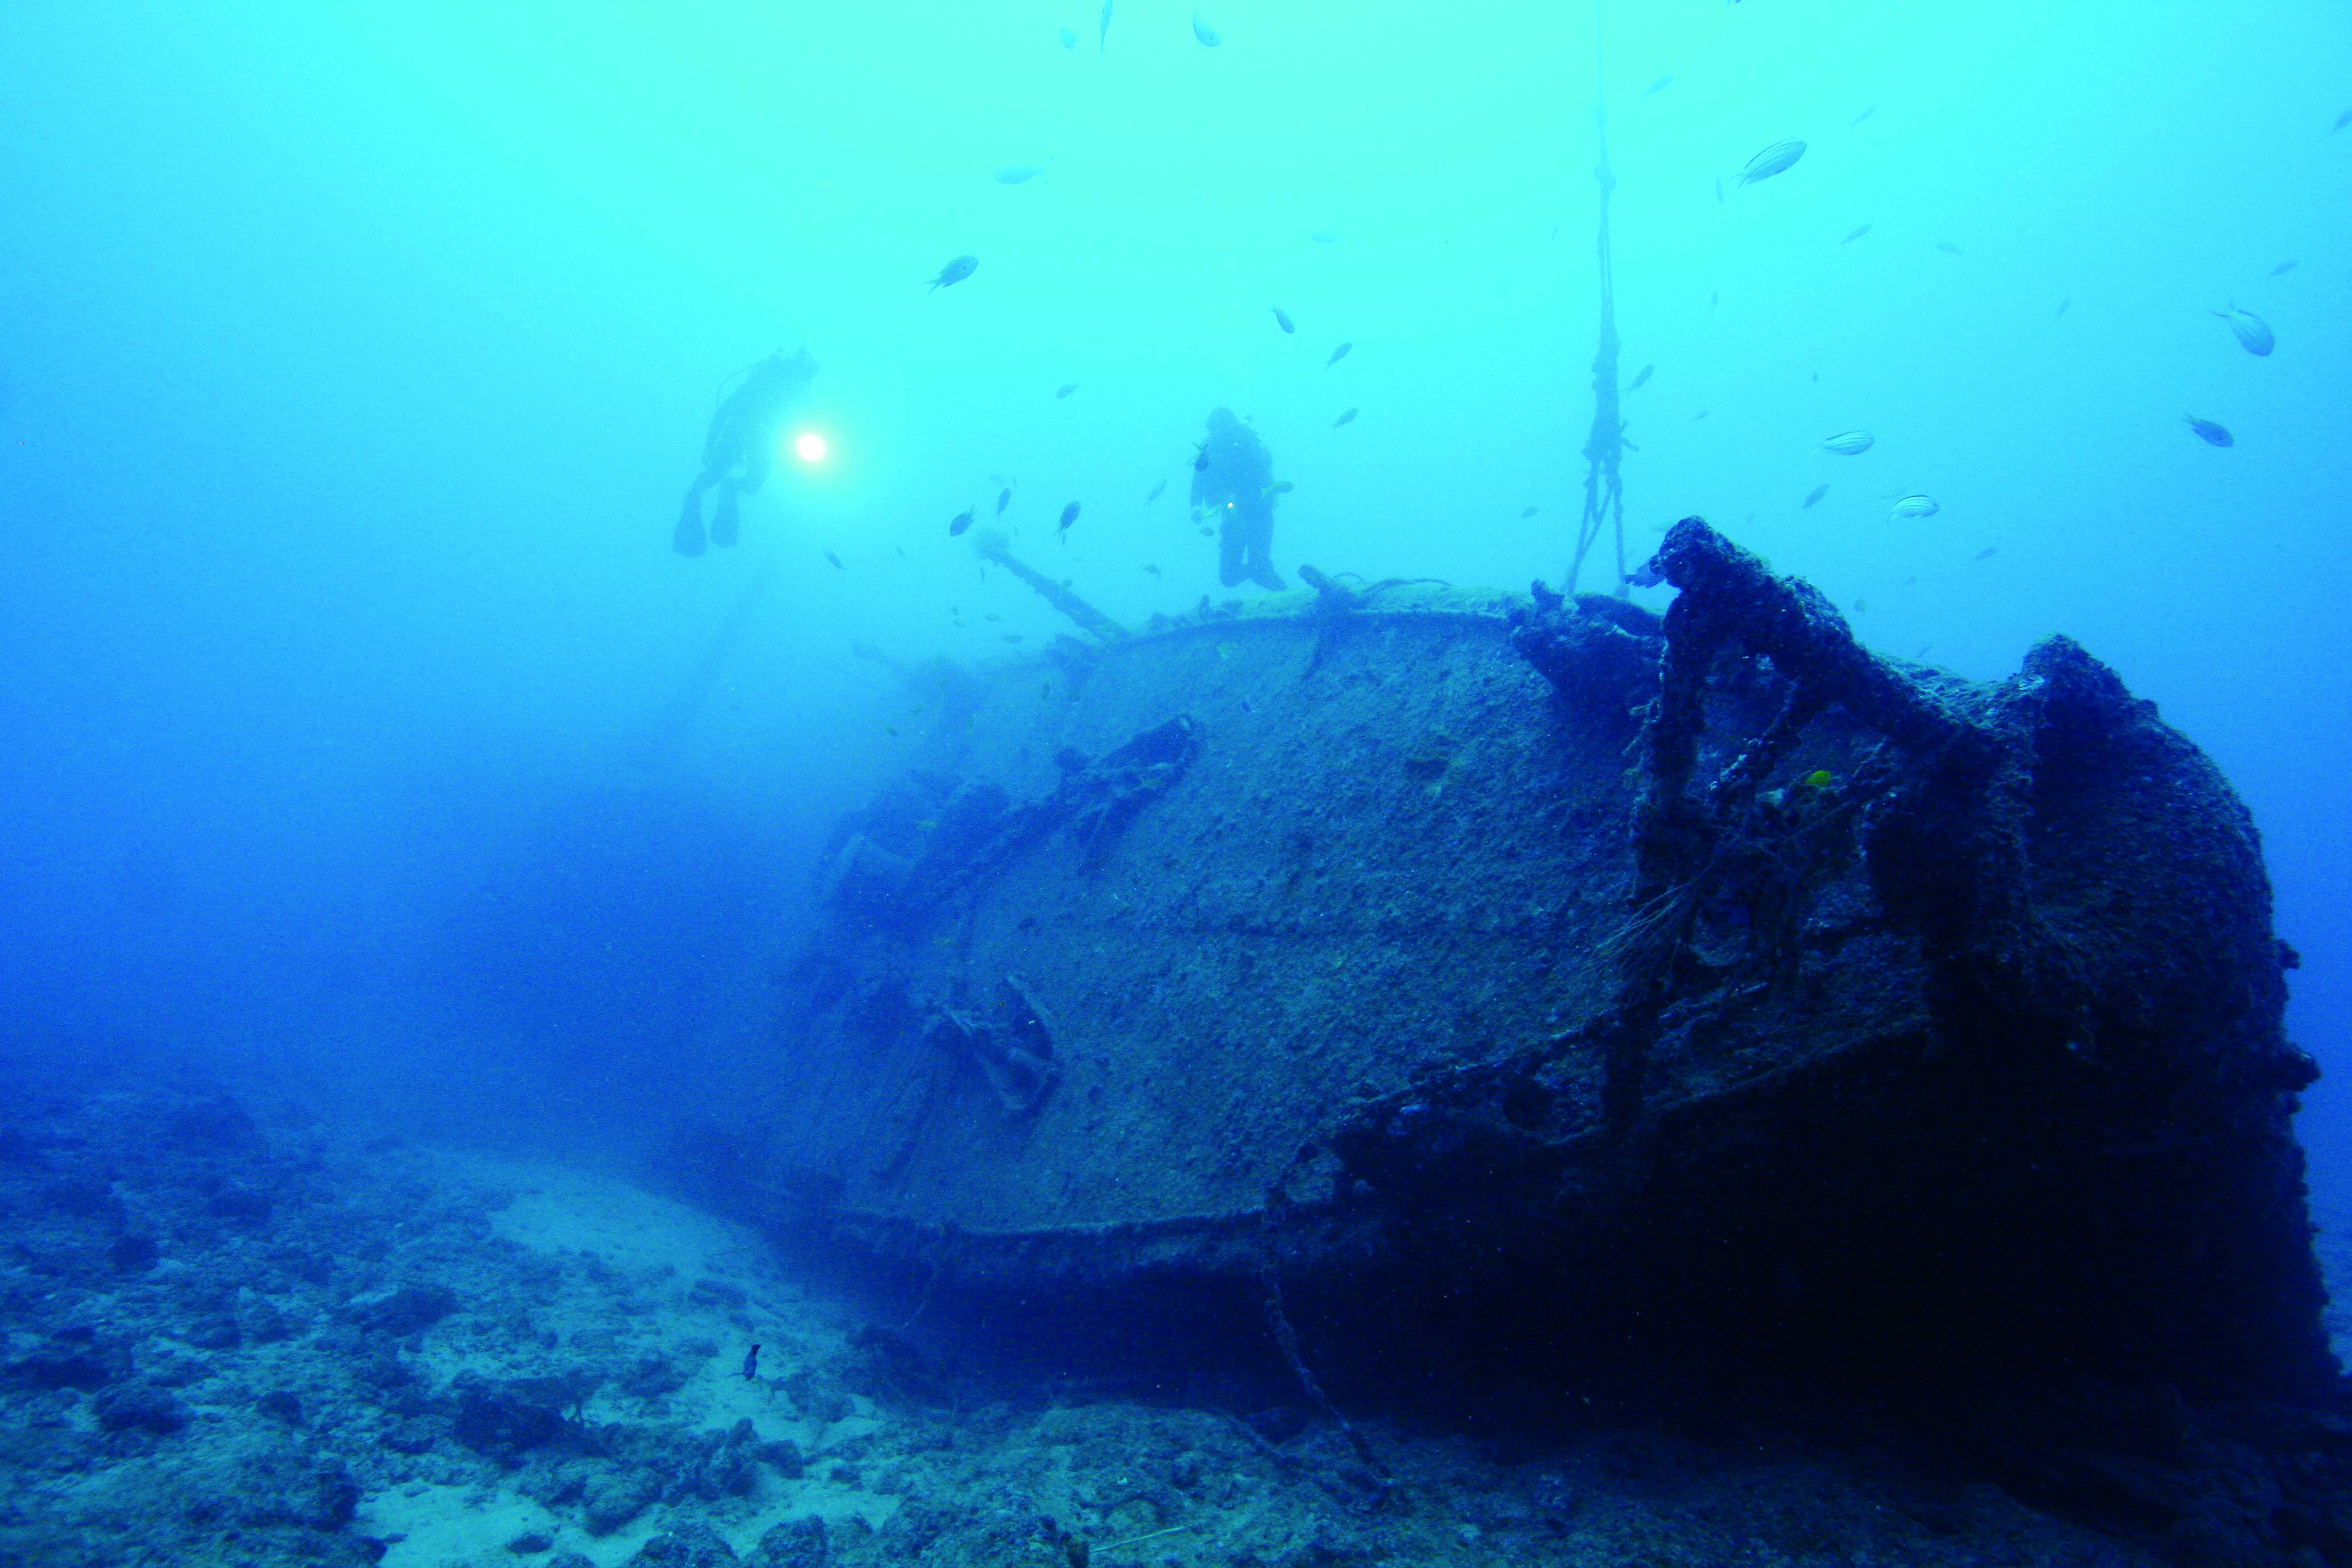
{"x": 1527, "y": 982}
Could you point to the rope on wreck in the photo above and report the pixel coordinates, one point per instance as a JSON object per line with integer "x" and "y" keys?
{"x": 1285, "y": 1338}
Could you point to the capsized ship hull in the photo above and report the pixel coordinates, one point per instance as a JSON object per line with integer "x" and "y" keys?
{"x": 1613, "y": 978}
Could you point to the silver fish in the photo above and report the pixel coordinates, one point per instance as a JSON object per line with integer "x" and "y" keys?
{"x": 1817, "y": 492}
{"x": 1857, "y": 233}
{"x": 1865, "y": 114}
{"x": 1849, "y": 443}
{"x": 1324, "y": 236}
{"x": 1102, "y": 36}
{"x": 1345, "y": 418}
{"x": 1205, "y": 33}
{"x": 1777, "y": 159}
{"x": 1282, "y": 320}
{"x": 1069, "y": 516}
{"x": 1019, "y": 174}
{"x": 2254, "y": 333}
{"x": 2212, "y": 435}
{"x": 1947, "y": 247}
{"x": 1915, "y": 506}
{"x": 1003, "y": 499}
{"x": 1069, "y": 40}
{"x": 1155, "y": 492}
{"x": 1066, "y": 388}
{"x": 1657, "y": 86}
{"x": 958, "y": 522}
{"x": 2282, "y": 267}
{"x": 2342, "y": 121}
{"x": 1338, "y": 354}
{"x": 954, "y": 272}
{"x": 1640, "y": 376}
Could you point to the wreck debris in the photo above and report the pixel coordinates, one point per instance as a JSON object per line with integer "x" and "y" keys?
{"x": 1330, "y": 598}
{"x": 993, "y": 546}
{"x": 865, "y": 878}
{"x": 1015, "y": 1056}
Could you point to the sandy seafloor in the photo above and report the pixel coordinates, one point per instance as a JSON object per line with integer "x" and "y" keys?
{"x": 239, "y": 1337}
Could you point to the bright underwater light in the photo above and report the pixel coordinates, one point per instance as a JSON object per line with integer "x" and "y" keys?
{"x": 809, "y": 446}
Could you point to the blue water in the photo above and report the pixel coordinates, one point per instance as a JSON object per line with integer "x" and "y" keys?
{"x": 352, "y": 360}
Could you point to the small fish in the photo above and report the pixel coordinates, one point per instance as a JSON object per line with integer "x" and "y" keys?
{"x": 1700, "y": 414}
{"x": 1947, "y": 247}
{"x": 1864, "y": 115}
{"x": 1338, "y": 354}
{"x": 1206, "y": 532}
{"x": 2212, "y": 435}
{"x": 1159, "y": 489}
{"x": 1777, "y": 159}
{"x": 1010, "y": 637}
{"x": 1282, "y": 320}
{"x": 1862, "y": 606}
{"x": 1279, "y": 488}
{"x": 751, "y": 1363}
{"x": 1200, "y": 457}
{"x": 1069, "y": 40}
{"x": 1813, "y": 496}
{"x": 958, "y": 522}
{"x": 1019, "y": 174}
{"x": 1324, "y": 236}
{"x": 1528, "y": 512}
{"x": 1715, "y": 299}
{"x": 1641, "y": 378}
{"x": 1066, "y": 388}
{"x": 1069, "y": 516}
{"x": 1857, "y": 233}
{"x": 1343, "y": 419}
{"x": 1987, "y": 552}
{"x": 829, "y": 556}
{"x": 954, "y": 272}
{"x": 2062, "y": 305}
{"x": 2283, "y": 268}
{"x": 2254, "y": 333}
{"x": 1003, "y": 499}
{"x": 1153, "y": 570}
{"x": 1102, "y": 32}
{"x": 1657, "y": 86}
{"x": 2342, "y": 121}
{"x": 1819, "y": 778}
{"x": 1915, "y": 506}
{"x": 1045, "y": 692}
{"x": 1849, "y": 443}
{"x": 1718, "y": 190}
{"x": 992, "y": 616}
{"x": 1205, "y": 33}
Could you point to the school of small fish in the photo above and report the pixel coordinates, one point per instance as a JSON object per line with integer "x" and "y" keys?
{"x": 2252, "y": 332}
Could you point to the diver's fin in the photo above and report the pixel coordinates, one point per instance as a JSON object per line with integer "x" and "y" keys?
{"x": 687, "y": 538}
{"x": 724, "y": 518}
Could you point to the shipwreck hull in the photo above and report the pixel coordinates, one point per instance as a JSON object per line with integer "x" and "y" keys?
{"x": 1550, "y": 974}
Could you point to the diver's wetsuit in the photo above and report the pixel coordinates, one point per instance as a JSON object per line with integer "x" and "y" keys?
{"x": 1234, "y": 474}
{"x": 740, "y": 447}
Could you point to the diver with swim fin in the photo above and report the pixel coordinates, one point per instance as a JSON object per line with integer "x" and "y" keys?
{"x": 741, "y": 448}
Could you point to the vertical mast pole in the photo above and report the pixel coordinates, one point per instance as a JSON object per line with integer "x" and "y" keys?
{"x": 1604, "y": 495}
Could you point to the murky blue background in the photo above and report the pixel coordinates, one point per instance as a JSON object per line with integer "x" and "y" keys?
{"x": 353, "y": 360}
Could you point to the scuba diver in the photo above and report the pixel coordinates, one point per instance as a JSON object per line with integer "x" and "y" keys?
{"x": 740, "y": 447}
{"x": 1232, "y": 472}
